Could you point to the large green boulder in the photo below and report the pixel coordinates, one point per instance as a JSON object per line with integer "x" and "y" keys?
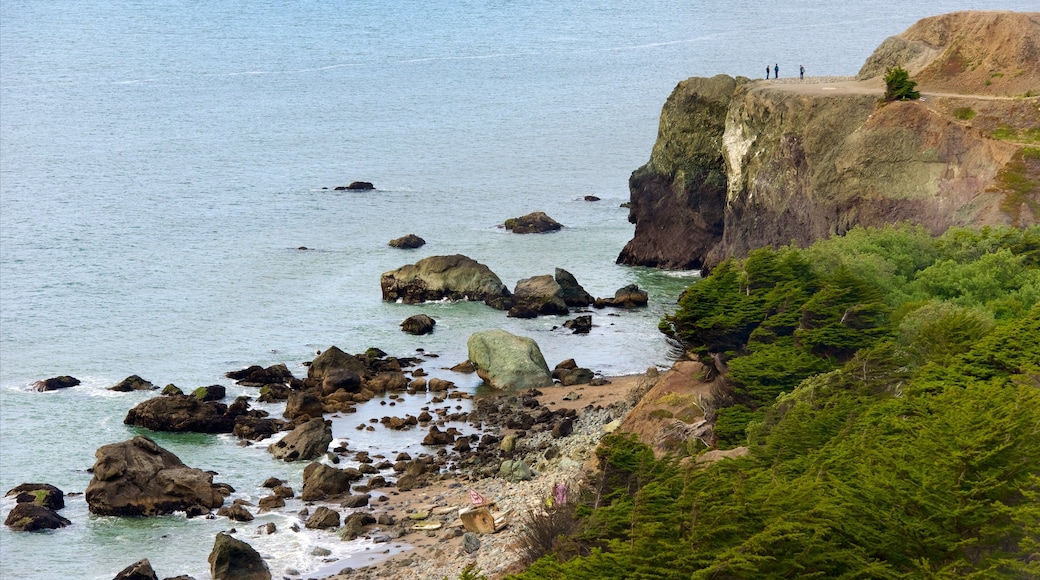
{"x": 507, "y": 361}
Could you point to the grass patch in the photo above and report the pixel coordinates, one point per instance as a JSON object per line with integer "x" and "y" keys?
{"x": 1009, "y": 133}
{"x": 964, "y": 113}
{"x": 661, "y": 414}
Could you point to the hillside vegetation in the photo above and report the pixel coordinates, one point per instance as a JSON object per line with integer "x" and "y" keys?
{"x": 887, "y": 384}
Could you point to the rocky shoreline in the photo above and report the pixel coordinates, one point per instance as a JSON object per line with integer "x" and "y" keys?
{"x": 553, "y": 460}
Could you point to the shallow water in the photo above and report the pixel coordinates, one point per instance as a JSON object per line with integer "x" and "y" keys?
{"x": 162, "y": 162}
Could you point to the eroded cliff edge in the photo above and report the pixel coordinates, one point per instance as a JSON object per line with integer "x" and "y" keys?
{"x": 741, "y": 164}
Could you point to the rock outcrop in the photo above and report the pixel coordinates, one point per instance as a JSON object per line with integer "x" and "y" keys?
{"x": 532, "y": 223}
{"x": 507, "y": 361}
{"x": 55, "y": 383}
{"x": 455, "y": 277}
{"x": 741, "y": 164}
{"x": 418, "y": 324}
{"x": 133, "y": 383}
{"x": 407, "y": 242}
{"x": 307, "y": 441}
{"x": 186, "y": 413}
{"x": 139, "y": 478}
{"x": 139, "y": 570}
{"x": 31, "y": 517}
{"x": 537, "y": 296}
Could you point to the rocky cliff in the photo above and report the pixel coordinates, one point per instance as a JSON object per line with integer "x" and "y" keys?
{"x": 741, "y": 164}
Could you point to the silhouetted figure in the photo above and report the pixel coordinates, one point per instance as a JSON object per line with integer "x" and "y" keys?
{"x": 776, "y": 71}
{"x": 767, "y": 72}
{"x": 801, "y": 72}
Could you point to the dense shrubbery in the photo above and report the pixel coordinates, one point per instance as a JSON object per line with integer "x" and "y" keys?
{"x": 888, "y": 384}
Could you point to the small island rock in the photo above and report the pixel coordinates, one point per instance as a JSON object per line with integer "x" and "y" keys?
{"x": 408, "y": 242}
{"x": 532, "y": 223}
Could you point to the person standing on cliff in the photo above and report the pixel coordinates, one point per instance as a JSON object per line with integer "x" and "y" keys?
{"x": 776, "y": 71}
{"x": 767, "y": 72}
{"x": 801, "y": 72}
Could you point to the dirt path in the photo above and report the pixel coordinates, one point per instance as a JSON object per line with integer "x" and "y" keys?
{"x": 850, "y": 86}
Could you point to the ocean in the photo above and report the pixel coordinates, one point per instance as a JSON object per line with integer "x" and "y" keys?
{"x": 163, "y": 162}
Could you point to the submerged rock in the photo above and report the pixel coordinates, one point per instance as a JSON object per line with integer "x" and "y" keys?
{"x": 55, "y": 383}
{"x": 140, "y": 478}
{"x": 133, "y": 383}
{"x": 257, "y": 376}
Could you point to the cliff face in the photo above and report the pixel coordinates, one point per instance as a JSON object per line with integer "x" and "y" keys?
{"x": 679, "y": 198}
{"x": 741, "y": 164}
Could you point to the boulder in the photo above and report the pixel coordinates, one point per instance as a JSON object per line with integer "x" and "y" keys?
{"x": 133, "y": 383}
{"x": 591, "y": 198}
{"x": 357, "y": 186}
{"x": 270, "y": 502}
{"x": 630, "y": 296}
{"x": 307, "y": 441}
{"x": 257, "y": 376}
{"x": 418, "y": 324}
{"x": 341, "y": 380}
{"x": 31, "y": 517}
{"x": 322, "y": 481}
{"x": 233, "y": 559}
{"x": 572, "y": 293}
{"x": 455, "y": 277}
{"x": 171, "y": 389}
{"x": 55, "y": 383}
{"x": 470, "y": 542}
{"x": 514, "y": 471}
{"x": 210, "y": 393}
{"x": 236, "y": 513}
{"x": 569, "y": 373}
{"x": 333, "y": 359}
{"x": 323, "y": 518}
{"x": 408, "y": 242}
{"x": 139, "y": 478}
{"x": 356, "y": 501}
{"x": 256, "y": 428}
{"x": 532, "y": 223}
{"x": 184, "y": 413}
{"x": 579, "y": 325}
{"x": 139, "y": 570}
{"x": 507, "y": 361}
{"x": 43, "y": 494}
{"x": 539, "y": 294}
{"x": 438, "y": 437}
{"x": 301, "y": 404}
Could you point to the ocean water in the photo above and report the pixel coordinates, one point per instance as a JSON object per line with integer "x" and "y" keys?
{"x": 161, "y": 163}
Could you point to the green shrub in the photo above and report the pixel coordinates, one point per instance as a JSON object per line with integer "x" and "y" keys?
{"x": 898, "y": 86}
{"x": 964, "y": 113}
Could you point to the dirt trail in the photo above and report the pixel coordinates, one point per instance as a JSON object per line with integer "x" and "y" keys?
{"x": 850, "y": 86}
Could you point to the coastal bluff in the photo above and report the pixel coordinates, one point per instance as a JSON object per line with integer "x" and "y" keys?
{"x": 741, "y": 164}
